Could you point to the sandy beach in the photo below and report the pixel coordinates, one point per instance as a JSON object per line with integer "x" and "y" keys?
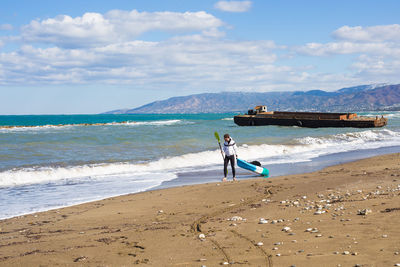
{"x": 344, "y": 215}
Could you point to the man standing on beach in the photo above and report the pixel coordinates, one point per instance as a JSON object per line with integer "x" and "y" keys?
{"x": 230, "y": 150}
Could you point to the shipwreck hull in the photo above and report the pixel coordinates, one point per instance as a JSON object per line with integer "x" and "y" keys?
{"x": 311, "y": 120}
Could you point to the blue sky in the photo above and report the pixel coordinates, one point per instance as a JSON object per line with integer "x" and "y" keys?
{"x": 76, "y": 57}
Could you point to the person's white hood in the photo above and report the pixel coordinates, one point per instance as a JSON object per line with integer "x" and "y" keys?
{"x": 230, "y": 147}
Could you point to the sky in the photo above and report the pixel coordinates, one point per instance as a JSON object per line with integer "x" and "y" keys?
{"x": 93, "y": 56}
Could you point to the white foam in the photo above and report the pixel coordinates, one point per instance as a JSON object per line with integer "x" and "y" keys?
{"x": 46, "y": 199}
{"x": 34, "y": 128}
{"x": 392, "y": 115}
{"x": 385, "y": 114}
{"x": 158, "y": 123}
{"x": 6, "y": 129}
{"x": 302, "y": 149}
{"x": 66, "y": 174}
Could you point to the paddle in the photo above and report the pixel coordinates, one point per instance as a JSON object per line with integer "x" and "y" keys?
{"x": 219, "y": 143}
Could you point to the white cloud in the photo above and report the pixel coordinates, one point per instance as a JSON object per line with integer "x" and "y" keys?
{"x": 378, "y": 68}
{"x": 376, "y": 50}
{"x": 380, "y": 40}
{"x": 233, "y": 6}
{"x": 194, "y": 63}
{"x": 379, "y": 33}
{"x": 6, "y": 27}
{"x": 107, "y": 49}
{"x": 345, "y": 48}
{"x": 185, "y": 62}
{"x": 93, "y": 29}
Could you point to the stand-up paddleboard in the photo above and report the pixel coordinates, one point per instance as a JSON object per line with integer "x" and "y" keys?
{"x": 257, "y": 169}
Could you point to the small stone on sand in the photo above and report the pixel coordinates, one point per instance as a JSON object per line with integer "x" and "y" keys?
{"x": 364, "y": 212}
{"x": 236, "y": 218}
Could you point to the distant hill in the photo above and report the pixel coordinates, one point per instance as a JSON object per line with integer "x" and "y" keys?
{"x": 358, "y": 98}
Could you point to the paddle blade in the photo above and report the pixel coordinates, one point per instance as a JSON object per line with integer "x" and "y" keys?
{"x": 217, "y": 136}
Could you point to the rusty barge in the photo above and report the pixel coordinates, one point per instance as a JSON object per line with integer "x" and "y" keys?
{"x": 259, "y": 116}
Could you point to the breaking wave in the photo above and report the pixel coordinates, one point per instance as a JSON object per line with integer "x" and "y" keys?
{"x": 300, "y": 150}
{"x": 392, "y": 114}
{"x": 63, "y": 126}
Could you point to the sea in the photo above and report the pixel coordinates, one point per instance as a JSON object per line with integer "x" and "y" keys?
{"x": 53, "y": 161}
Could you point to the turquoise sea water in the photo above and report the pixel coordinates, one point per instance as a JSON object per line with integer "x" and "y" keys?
{"x": 52, "y": 161}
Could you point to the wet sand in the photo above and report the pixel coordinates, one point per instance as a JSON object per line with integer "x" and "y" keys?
{"x": 344, "y": 215}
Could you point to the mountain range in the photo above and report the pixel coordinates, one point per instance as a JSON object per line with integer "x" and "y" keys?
{"x": 358, "y": 98}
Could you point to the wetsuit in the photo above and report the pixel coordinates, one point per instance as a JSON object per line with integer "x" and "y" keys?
{"x": 230, "y": 150}
{"x": 226, "y": 161}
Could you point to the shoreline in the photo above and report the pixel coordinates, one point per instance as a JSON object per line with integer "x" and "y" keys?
{"x": 283, "y": 169}
{"x": 211, "y": 176}
{"x": 309, "y": 219}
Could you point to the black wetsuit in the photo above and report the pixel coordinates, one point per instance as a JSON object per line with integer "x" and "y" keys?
{"x": 232, "y": 160}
